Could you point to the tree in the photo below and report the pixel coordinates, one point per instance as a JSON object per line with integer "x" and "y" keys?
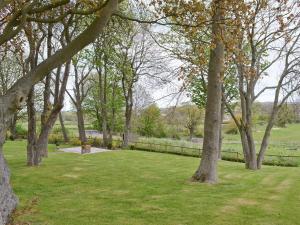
{"x": 150, "y": 122}
{"x": 207, "y": 171}
{"x": 16, "y": 96}
{"x": 265, "y": 31}
{"x": 81, "y": 87}
{"x": 285, "y": 115}
{"x": 134, "y": 62}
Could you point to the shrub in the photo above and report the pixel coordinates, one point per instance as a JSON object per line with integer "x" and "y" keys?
{"x": 55, "y": 139}
{"x": 21, "y": 131}
{"x": 58, "y": 130}
{"x": 75, "y": 142}
{"x": 96, "y": 142}
{"x": 280, "y": 162}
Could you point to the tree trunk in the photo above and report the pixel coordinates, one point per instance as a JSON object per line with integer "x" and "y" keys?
{"x": 63, "y": 128}
{"x": 266, "y": 138}
{"x": 251, "y": 144}
{"x": 248, "y": 124}
{"x": 8, "y": 200}
{"x": 13, "y": 131}
{"x": 126, "y": 128}
{"x": 128, "y": 114}
{"x": 42, "y": 141}
{"x": 220, "y": 131}
{"x": 102, "y": 95}
{"x": 245, "y": 147}
{"x": 207, "y": 171}
{"x": 80, "y": 124}
{"x": 33, "y": 156}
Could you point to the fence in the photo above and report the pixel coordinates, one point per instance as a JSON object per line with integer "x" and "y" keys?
{"x": 229, "y": 155}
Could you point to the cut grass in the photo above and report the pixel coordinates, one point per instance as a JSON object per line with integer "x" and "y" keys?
{"x": 142, "y": 188}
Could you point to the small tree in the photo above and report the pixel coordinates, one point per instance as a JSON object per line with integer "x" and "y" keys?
{"x": 150, "y": 124}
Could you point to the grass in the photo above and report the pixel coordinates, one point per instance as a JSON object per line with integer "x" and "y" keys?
{"x": 143, "y": 188}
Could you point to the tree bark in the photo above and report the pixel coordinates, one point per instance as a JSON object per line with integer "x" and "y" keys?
{"x": 12, "y": 128}
{"x": 220, "y": 131}
{"x": 207, "y": 171}
{"x": 8, "y": 200}
{"x": 63, "y": 128}
{"x": 80, "y": 123}
{"x": 266, "y": 138}
{"x": 33, "y": 157}
{"x": 128, "y": 114}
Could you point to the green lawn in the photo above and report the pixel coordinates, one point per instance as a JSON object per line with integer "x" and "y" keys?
{"x": 143, "y": 188}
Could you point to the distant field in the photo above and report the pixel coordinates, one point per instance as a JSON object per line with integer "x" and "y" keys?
{"x": 142, "y": 188}
{"x": 284, "y": 142}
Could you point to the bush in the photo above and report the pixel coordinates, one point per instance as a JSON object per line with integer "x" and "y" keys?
{"x": 55, "y": 139}
{"x": 280, "y": 162}
{"x": 96, "y": 142}
{"x": 58, "y": 130}
{"x": 21, "y": 131}
{"x": 75, "y": 142}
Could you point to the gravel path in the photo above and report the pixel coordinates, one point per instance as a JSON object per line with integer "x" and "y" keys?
{"x": 78, "y": 150}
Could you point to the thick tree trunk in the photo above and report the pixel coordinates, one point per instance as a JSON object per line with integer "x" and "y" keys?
{"x": 8, "y": 200}
{"x": 207, "y": 171}
{"x": 42, "y": 141}
{"x": 33, "y": 156}
{"x": 63, "y": 128}
{"x": 80, "y": 124}
{"x": 220, "y": 131}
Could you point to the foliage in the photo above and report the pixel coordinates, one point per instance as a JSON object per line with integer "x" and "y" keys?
{"x": 56, "y": 139}
{"x": 285, "y": 115}
{"x": 21, "y": 131}
{"x": 150, "y": 124}
{"x": 58, "y": 131}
